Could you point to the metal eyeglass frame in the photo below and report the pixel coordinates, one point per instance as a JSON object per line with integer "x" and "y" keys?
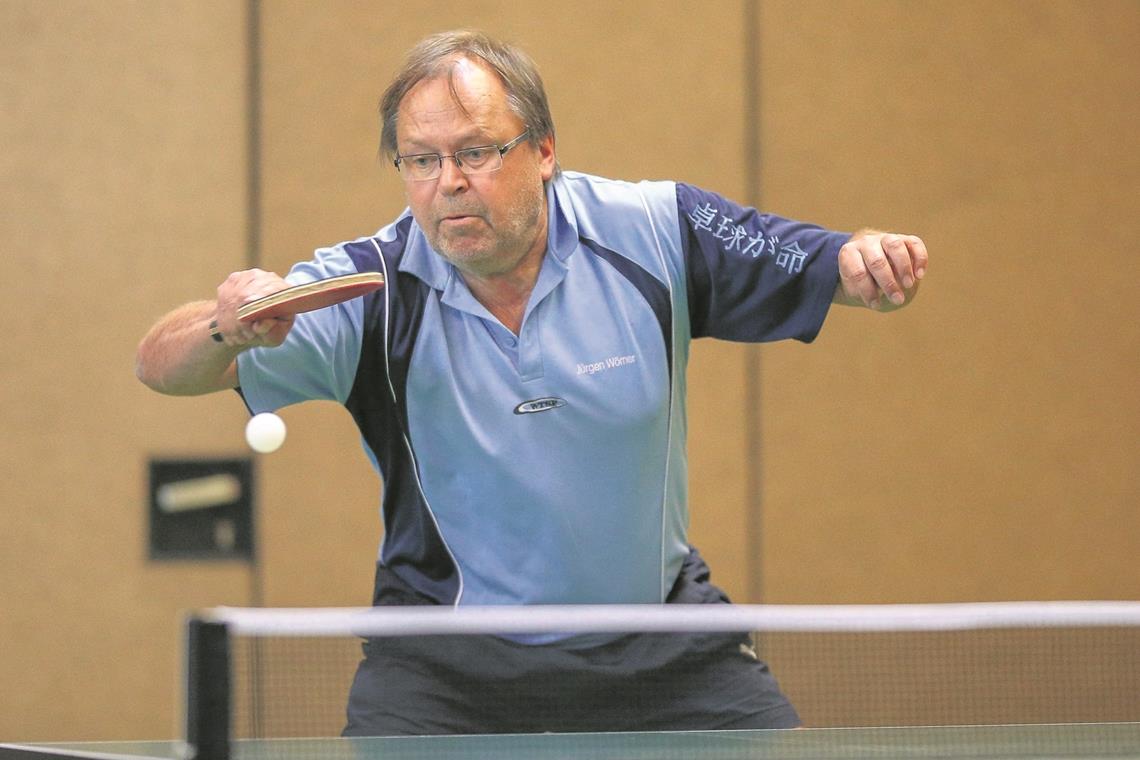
{"x": 457, "y": 157}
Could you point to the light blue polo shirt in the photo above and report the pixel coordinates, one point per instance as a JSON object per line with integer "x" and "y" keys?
{"x": 546, "y": 467}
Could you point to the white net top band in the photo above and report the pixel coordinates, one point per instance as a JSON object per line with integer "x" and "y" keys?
{"x": 590, "y": 619}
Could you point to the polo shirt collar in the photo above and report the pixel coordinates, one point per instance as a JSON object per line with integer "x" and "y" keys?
{"x": 562, "y": 229}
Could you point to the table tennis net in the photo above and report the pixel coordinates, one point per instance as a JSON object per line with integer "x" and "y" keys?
{"x": 267, "y": 673}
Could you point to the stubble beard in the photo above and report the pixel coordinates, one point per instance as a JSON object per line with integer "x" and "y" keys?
{"x": 497, "y": 247}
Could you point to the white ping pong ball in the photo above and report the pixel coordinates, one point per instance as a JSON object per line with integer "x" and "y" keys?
{"x": 265, "y": 432}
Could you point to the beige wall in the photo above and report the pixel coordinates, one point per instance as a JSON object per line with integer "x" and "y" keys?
{"x": 981, "y": 445}
{"x": 1001, "y": 414}
{"x": 122, "y": 185}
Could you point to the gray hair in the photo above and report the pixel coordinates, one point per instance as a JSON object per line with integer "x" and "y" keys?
{"x": 435, "y": 56}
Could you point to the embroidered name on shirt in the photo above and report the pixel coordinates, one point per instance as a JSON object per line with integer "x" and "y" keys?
{"x": 614, "y": 361}
{"x": 736, "y": 239}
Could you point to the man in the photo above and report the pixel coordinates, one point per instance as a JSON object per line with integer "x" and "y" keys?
{"x": 519, "y": 384}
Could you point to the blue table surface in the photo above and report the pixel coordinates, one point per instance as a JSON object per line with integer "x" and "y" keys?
{"x": 1042, "y": 741}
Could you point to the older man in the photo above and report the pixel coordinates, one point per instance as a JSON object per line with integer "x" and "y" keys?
{"x": 519, "y": 384}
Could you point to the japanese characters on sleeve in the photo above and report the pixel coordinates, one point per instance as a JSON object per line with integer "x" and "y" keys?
{"x": 754, "y": 276}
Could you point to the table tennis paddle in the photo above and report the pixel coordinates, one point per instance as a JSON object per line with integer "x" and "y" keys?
{"x": 308, "y": 296}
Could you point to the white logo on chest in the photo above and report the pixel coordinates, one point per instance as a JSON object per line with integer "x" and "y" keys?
{"x": 539, "y": 405}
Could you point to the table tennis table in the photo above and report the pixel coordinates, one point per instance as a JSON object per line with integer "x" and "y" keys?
{"x": 1022, "y": 741}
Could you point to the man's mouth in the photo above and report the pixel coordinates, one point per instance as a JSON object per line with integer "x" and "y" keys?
{"x": 459, "y": 218}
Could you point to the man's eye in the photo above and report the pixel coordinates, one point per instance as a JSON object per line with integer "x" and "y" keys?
{"x": 476, "y": 155}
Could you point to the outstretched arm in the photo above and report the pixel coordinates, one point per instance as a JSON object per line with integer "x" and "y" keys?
{"x": 179, "y": 357}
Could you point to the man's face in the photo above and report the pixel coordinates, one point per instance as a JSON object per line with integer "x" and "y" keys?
{"x": 485, "y": 224}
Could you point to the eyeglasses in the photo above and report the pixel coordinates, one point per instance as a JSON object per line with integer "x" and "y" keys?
{"x": 482, "y": 159}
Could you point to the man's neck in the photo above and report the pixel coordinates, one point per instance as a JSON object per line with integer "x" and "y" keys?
{"x": 506, "y": 295}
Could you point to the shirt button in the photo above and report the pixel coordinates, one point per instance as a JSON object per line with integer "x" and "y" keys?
{"x": 512, "y": 341}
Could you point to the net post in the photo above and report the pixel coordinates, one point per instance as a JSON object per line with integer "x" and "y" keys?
{"x": 207, "y": 674}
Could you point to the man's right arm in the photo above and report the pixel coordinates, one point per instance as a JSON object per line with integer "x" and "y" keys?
{"x": 179, "y": 357}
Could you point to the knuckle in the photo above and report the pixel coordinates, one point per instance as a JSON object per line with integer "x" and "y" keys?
{"x": 851, "y": 266}
{"x": 878, "y": 264}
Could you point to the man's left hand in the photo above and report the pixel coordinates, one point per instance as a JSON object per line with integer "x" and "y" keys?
{"x": 880, "y": 270}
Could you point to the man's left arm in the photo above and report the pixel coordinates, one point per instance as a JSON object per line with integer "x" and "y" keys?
{"x": 880, "y": 270}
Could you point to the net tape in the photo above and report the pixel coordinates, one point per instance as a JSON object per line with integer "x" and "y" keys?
{"x": 540, "y": 619}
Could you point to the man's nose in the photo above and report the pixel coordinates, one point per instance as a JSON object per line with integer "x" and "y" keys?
{"x": 451, "y": 177}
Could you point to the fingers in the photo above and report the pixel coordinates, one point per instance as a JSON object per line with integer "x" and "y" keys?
{"x": 272, "y": 332}
{"x": 239, "y": 289}
{"x": 856, "y": 280}
{"x": 895, "y": 247}
{"x": 882, "y": 264}
{"x": 919, "y": 257}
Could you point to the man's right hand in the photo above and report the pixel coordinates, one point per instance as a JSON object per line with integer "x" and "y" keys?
{"x": 239, "y": 289}
{"x": 180, "y": 357}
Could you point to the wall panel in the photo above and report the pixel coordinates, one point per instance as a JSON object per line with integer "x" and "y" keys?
{"x": 123, "y": 183}
{"x": 981, "y": 444}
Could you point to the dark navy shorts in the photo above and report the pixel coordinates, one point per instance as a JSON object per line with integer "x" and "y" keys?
{"x": 641, "y": 682}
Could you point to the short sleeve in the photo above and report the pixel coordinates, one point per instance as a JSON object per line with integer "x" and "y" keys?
{"x": 318, "y": 359}
{"x": 753, "y": 276}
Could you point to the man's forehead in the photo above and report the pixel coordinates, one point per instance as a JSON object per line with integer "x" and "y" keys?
{"x": 463, "y": 103}
{"x": 463, "y": 85}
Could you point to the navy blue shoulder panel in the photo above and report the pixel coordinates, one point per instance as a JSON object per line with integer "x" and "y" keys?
{"x": 413, "y": 549}
{"x": 753, "y": 276}
{"x": 655, "y": 292}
